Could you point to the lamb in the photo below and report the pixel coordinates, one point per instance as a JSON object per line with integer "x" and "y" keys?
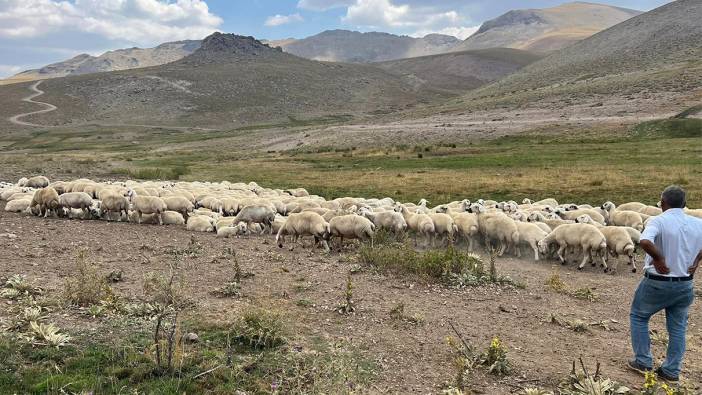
{"x": 38, "y": 182}
{"x": 351, "y": 226}
{"x": 47, "y": 199}
{"x": 531, "y": 234}
{"x": 172, "y": 218}
{"x": 114, "y": 202}
{"x": 623, "y": 217}
{"x": 200, "y": 223}
{"x": 420, "y": 224}
{"x": 18, "y": 206}
{"x": 307, "y": 223}
{"x": 261, "y": 214}
{"x": 389, "y": 220}
{"x": 229, "y": 231}
{"x": 179, "y": 204}
{"x": 147, "y": 205}
{"x": 77, "y": 200}
{"x": 497, "y": 226}
{"x": 585, "y": 236}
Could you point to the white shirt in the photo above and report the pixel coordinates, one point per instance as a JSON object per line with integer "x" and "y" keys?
{"x": 678, "y": 237}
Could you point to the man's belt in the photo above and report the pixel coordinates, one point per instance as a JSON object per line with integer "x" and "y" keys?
{"x": 664, "y": 278}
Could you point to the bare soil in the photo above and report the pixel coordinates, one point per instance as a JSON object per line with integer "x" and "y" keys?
{"x": 413, "y": 358}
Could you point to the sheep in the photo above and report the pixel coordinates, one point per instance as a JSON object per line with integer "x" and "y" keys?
{"x": 173, "y": 218}
{"x": 307, "y": 223}
{"x": 531, "y": 234}
{"x": 351, "y": 226}
{"x": 467, "y": 227}
{"x": 619, "y": 242}
{"x": 543, "y": 202}
{"x": 18, "y": 206}
{"x": 443, "y": 226}
{"x": 229, "y": 231}
{"x": 47, "y": 199}
{"x": 147, "y": 205}
{"x": 77, "y": 200}
{"x": 38, "y": 182}
{"x": 420, "y": 224}
{"x": 573, "y": 214}
{"x": 255, "y": 214}
{"x": 552, "y": 223}
{"x": 649, "y": 210}
{"x": 278, "y": 223}
{"x": 200, "y": 223}
{"x": 179, "y": 204}
{"x": 631, "y": 206}
{"x": 585, "y": 236}
{"x": 389, "y": 220}
{"x": 623, "y": 217}
{"x": 114, "y": 202}
{"x": 497, "y": 226}
{"x": 22, "y": 182}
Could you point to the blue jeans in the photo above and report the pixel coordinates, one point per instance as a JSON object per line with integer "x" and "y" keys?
{"x": 651, "y": 297}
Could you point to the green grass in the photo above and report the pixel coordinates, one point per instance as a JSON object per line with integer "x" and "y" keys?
{"x": 671, "y": 128}
{"x": 111, "y": 367}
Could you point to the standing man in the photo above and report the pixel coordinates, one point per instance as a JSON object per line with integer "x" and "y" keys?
{"x": 673, "y": 245}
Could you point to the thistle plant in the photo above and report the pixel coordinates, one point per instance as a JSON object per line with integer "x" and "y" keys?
{"x": 347, "y": 306}
{"x": 49, "y": 335}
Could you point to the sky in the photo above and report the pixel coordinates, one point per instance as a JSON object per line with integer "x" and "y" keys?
{"x": 34, "y": 33}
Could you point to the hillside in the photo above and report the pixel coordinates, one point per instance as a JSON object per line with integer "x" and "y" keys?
{"x": 548, "y": 29}
{"x": 121, "y": 59}
{"x": 461, "y": 71}
{"x": 229, "y": 81}
{"x": 658, "y": 51}
{"x": 356, "y": 47}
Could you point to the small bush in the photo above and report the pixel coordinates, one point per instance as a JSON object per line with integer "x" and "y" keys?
{"x": 87, "y": 287}
{"x": 259, "y": 329}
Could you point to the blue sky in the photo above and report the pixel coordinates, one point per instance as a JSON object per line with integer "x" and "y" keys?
{"x": 37, "y": 32}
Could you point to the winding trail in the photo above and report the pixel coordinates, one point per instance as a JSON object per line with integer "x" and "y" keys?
{"x": 30, "y": 99}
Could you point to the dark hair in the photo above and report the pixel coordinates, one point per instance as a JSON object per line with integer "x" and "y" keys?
{"x": 674, "y": 196}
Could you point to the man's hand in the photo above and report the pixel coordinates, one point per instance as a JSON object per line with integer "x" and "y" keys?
{"x": 691, "y": 271}
{"x": 661, "y": 267}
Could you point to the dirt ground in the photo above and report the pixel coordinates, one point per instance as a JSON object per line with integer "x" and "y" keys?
{"x": 412, "y": 358}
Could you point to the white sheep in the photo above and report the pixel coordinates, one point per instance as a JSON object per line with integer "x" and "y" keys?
{"x": 530, "y": 234}
{"x": 496, "y": 226}
{"x": 114, "y": 202}
{"x": 230, "y": 231}
{"x": 258, "y": 214}
{"x": 584, "y": 236}
{"x": 76, "y": 200}
{"x": 443, "y": 226}
{"x": 351, "y": 226}
{"x": 18, "y": 205}
{"x": 200, "y": 223}
{"x": 573, "y": 214}
{"x": 306, "y": 223}
{"x": 389, "y": 220}
{"x": 420, "y": 224}
{"x": 172, "y": 218}
{"x": 147, "y": 205}
{"x": 467, "y": 227}
{"x": 179, "y": 204}
{"x": 543, "y": 202}
{"x": 623, "y": 217}
{"x": 38, "y": 182}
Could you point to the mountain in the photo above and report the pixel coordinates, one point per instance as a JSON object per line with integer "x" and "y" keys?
{"x": 229, "y": 81}
{"x": 121, "y": 59}
{"x": 356, "y": 47}
{"x": 547, "y": 29}
{"x": 659, "y": 51}
{"x": 461, "y": 71}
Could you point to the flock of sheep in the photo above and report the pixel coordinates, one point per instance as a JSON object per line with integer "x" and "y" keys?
{"x": 232, "y": 209}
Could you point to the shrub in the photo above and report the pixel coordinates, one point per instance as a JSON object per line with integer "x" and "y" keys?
{"x": 87, "y": 287}
{"x": 259, "y": 329}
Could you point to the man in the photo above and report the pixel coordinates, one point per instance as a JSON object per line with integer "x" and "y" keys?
{"x": 673, "y": 244}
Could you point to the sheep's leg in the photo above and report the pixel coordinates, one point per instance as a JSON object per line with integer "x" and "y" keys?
{"x": 503, "y": 247}
{"x": 160, "y": 219}
{"x": 560, "y": 252}
{"x": 517, "y": 251}
{"x": 632, "y": 261}
{"x": 586, "y": 257}
{"x": 536, "y": 250}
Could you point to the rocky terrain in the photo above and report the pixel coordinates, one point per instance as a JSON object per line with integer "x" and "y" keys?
{"x": 356, "y": 47}
{"x": 461, "y": 71}
{"x": 121, "y": 59}
{"x": 548, "y": 29}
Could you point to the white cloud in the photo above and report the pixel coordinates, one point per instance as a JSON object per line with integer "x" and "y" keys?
{"x": 323, "y": 5}
{"x": 138, "y": 21}
{"x": 7, "y": 70}
{"x": 419, "y": 20}
{"x": 461, "y": 32}
{"x": 278, "y": 20}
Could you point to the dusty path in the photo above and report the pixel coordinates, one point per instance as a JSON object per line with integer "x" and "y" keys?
{"x": 30, "y": 99}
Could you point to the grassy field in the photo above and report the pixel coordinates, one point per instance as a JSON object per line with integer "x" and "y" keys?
{"x": 593, "y": 166}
